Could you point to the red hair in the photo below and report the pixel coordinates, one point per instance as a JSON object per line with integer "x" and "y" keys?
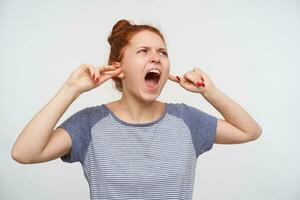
{"x": 120, "y": 36}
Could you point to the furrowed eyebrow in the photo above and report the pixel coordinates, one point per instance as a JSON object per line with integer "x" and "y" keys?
{"x": 141, "y": 47}
{"x": 162, "y": 49}
{"x": 146, "y": 47}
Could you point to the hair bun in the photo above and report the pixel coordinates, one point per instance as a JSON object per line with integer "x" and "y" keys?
{"x": 120, "y": 26}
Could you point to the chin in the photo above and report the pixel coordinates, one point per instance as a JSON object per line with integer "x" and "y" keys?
{"x": 150, "y": 96}
{"x": 146, "y": 94}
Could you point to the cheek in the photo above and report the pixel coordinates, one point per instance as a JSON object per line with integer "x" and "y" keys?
{"x": 167, "y": 67}
{"x": 134, "y": 69}
{"x": 133, "y": 75}
{"x": 166, "y": 62}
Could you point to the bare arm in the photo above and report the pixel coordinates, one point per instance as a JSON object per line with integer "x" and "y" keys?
{"x": 38, "y": 142}
{"x": 36, "y": 134}
{"x": 238, "y": 126}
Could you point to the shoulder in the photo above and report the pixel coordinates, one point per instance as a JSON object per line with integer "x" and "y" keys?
{"x": 175, "y": 108}
{"x": 181, "y": 109}
{"x": 89, "y": 115}
{"x": 189, "y": 113}
{"x": 96, "y": 113}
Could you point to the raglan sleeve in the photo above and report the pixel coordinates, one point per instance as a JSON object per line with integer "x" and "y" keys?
{"x": 203, "y": 127}
{"x": 78, "y": 127}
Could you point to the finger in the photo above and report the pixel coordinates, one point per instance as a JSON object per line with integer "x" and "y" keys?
{"x": 101, "y": 70}
{"x": 189, "y": 76}
{"x": 197, "y": 77}
{"x": 92, "y": 71}
{"x": 97, "y": 75}
{"x": 199, "y": 73}
{"x": 119, "y": 70}
{"x": 105, "y": 77}
{"x": 88, "y": 68}
{"x": 193, "y": 78}
{"x": 106, "y": 68}
{"x": 174, "y": 78}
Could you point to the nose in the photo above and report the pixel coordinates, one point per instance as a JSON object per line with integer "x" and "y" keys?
{"x": 155, "y": 58}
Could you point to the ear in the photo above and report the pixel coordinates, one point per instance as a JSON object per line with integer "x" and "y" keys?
{"x": 118, "y": 65}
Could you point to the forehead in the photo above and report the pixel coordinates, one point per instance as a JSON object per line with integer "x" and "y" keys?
{"x": 146, "y": 38}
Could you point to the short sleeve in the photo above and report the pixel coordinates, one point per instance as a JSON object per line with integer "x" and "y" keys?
{"x": 202, "y": 126}
{"x": 78, "y": 127}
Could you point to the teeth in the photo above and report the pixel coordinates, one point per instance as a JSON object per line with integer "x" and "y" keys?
{"x": 154, "y": 70}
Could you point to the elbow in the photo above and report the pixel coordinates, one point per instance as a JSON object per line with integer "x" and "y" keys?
{"x": 18, "y": 157}
{"x": 257, "y": 133}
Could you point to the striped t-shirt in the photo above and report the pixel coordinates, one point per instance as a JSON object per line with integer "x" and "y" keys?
{"x": 155, "y": 160}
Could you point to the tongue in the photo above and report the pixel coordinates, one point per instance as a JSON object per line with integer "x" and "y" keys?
{"x": 151, "y": 83}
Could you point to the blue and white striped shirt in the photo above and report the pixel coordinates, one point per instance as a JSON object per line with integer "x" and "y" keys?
{"x": 155, "y": 160}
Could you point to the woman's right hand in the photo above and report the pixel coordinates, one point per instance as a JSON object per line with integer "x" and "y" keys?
{"x": 88, "y": 77}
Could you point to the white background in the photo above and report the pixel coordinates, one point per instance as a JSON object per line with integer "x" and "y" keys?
{"x": 250, "y": 49}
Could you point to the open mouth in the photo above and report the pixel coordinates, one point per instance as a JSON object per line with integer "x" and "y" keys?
{"x": 152, "y": 78}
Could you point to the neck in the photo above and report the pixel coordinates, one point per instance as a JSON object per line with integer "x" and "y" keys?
{"x": 135, "y": 110}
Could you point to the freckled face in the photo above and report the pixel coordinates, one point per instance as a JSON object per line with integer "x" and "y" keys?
{"x": 145, "y": 66}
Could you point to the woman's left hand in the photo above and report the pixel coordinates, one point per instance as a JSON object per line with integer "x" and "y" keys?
{"x": 195, "y": 81}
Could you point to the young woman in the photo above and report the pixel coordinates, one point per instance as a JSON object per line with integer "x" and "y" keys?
{"x": 135, "y": 147}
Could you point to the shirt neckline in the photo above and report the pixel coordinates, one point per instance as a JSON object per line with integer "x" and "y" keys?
{"x": 137, "y": 124}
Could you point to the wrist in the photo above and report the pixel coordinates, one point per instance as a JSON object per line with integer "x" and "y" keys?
{"x": 70, "y": 90}
{"x": 210, "y": 92}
